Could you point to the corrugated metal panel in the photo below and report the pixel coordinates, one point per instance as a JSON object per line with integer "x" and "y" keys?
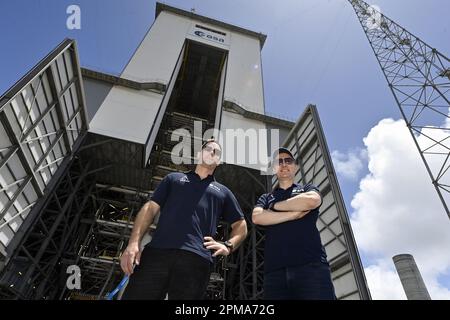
{"x": 307, "y": 143}
{"x": 41, "y": 117}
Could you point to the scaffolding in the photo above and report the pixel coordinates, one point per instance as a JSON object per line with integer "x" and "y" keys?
{"x": 35, "y": 270}
{"x": 106, "y": 226}
{"x": 42, "y": 125}
{"x": 418, "y": 76}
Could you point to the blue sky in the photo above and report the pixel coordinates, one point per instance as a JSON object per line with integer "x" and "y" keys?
{"x": 316, "y": 52}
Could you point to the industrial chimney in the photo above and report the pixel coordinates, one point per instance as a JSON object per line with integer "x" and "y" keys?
{"x": 410, "y": 277}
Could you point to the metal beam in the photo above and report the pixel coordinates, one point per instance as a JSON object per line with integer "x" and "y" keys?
{"x": 402, "y": 57}
{"x": 52, "y": 80}
{"x": 55, "y": 224}
{"x": 341, "y": 209}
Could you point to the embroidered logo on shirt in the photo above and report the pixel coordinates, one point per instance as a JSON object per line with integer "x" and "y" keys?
{"x": 214, "y": 187}
{"x": 184, "y": 179}
{"x": 297, "y": 190}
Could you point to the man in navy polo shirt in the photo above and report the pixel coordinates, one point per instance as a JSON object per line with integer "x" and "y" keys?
{"x": 295, "y": 263}
{"x": 178, "y": 260}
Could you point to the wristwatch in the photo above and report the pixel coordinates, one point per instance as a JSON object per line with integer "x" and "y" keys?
{"x": 229, "y": 245}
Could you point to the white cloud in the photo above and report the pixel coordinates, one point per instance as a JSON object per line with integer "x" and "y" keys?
{"x": 349, "y": 165}
{"x": 397, "y": 210}
{"x": 383, "y": 281}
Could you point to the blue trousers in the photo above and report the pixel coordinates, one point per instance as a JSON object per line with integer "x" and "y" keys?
{"x": 311, "y": 281}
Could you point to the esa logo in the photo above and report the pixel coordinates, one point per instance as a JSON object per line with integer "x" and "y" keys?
{"x": 296, "y": 191}
{"x": 208, "y": 36}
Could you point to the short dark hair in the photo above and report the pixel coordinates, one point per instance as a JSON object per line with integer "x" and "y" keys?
{"x": 212, "y": 139}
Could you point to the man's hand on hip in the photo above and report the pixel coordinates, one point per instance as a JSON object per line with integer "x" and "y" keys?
{"x": 218, "y": 247}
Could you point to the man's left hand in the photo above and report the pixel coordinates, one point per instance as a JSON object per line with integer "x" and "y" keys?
{"x": 218, "y": 247}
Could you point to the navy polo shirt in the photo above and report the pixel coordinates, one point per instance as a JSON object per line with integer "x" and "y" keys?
{"x": 294, "y": 242}
{"x": 190, "y": 210}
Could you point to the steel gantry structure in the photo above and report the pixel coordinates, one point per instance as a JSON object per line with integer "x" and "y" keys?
{"x": 419, "y": 78}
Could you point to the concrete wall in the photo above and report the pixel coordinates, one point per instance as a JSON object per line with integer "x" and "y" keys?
{"x": 130, "y": 115}
{"x": 95, "y": 92}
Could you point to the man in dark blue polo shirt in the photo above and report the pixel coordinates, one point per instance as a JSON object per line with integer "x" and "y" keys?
{"x": 178, "y": 260}
{"x": 295, "y": 263}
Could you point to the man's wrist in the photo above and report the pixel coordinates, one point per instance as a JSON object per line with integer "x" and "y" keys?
{"x": 133, "y": 242}
{"x": 229, "y": 246}
{"x": 272, "y": 206}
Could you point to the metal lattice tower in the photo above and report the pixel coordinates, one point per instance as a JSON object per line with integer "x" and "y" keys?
{"x": 419, "y": 78}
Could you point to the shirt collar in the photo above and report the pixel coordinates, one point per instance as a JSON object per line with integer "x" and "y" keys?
{"x": 294, "y": 185}
{"x": 209, "y": 177}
